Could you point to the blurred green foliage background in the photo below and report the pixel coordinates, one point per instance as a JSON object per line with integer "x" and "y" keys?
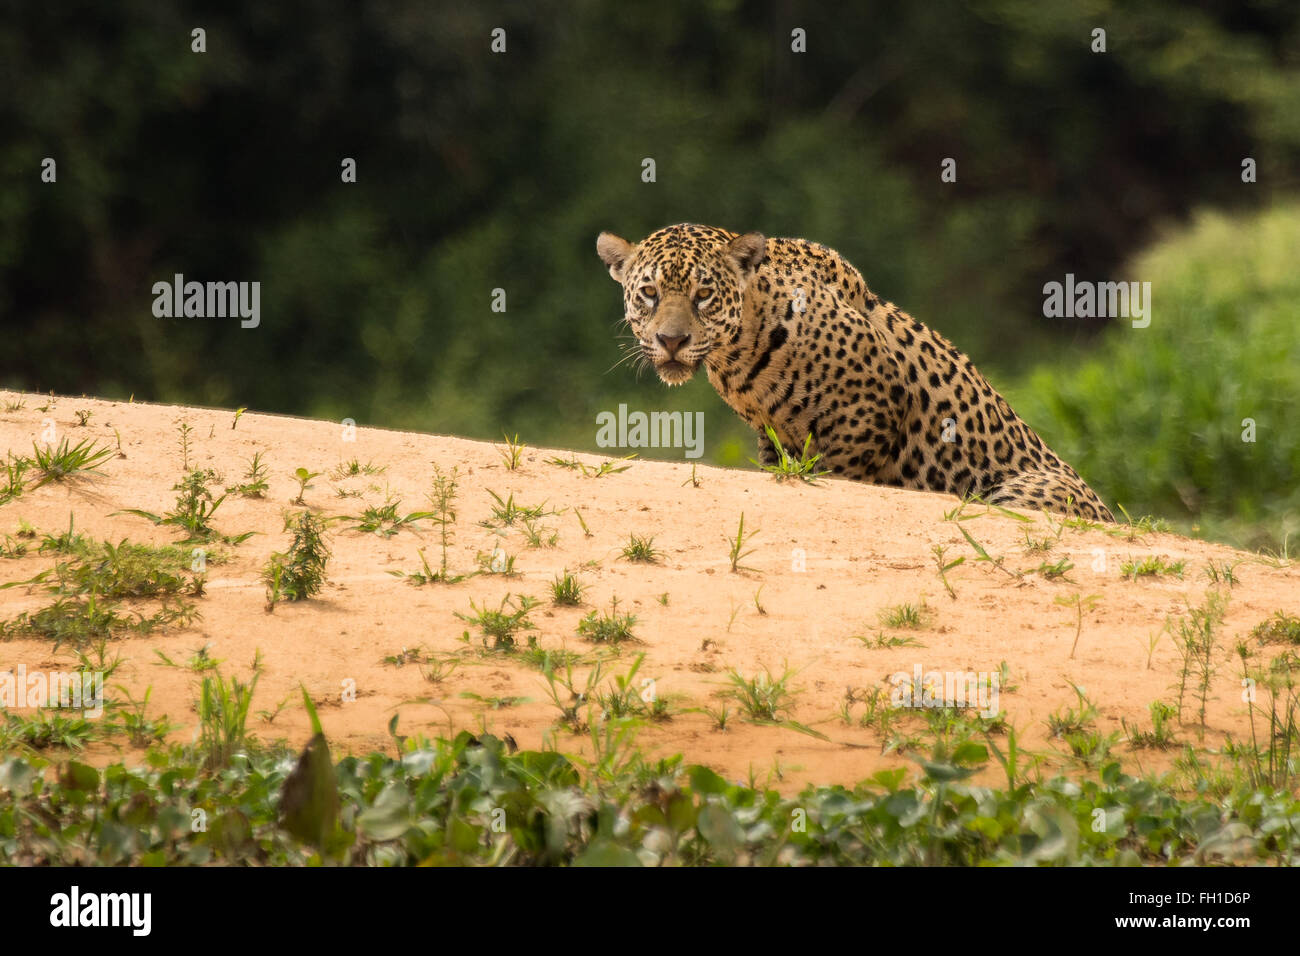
{"x": 479, "y": 171}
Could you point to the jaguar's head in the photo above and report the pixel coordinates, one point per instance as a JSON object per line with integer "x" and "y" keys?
{"x": 683, "y": 291}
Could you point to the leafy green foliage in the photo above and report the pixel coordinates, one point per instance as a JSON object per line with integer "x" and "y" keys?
{"x": 641, "y": 550}
{"x": 195, "y": 506}
{"x": 298, "y": 573}
{"x": 608, "y": 627}
{"x": 566, "y": 590}
{"x": 63, "y": 461}
{"x": 1158, "y": 419}
{"x": 802, "y": 465}
{"x": 504, "y": 624}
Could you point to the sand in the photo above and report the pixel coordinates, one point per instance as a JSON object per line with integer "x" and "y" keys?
{"x": 826, "y": 561}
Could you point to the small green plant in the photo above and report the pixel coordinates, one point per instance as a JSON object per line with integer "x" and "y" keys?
{"x": 13, "y": 547}
{"x": 1005, "y": 683}
{"x": 635, "y": 699}
{"x": 503, "y": 624}
{"x": 641, "y": 550}
{"x": 565, "y": 693}
{"x": 695, "y": 480}
{"x": 426, "y": 574}
{"x": 607, "y": 627}
{"x": 1091, "y": 747}
{"x": 183, "y": 439}
{"x": 16, "y": 405}
{"x": 766, "y": 698}
{"x": 1281, "y": 628}
{"x": 1161, "y": 735}
{"x": 907, "y": 616}
{"x": 269, "y": 716}
{"x": 945, "y": 566}
{"x": 436, "y": 669}
{"x": 83, "y": 417}
{"x": 719, "y": 715}
{"x": 61, "y": 462}
{"x": 513, "y": 453}
{"x": 140, "y": 729}
{"x": 883, "y": 642}
{"x": 122, "y": 570}
{"x": 497, "y": 562}
{"x": 586, "y": 532}
{"x": 539, "y": 536}
{"x": 298, "y": 573}
{"x": 1081, "y": 604}
{"x": 1151, "y": 566}
{"x": 803, "y": 467}
{"x": 354, "y": 469}
{"x": 442, "y": 499}
{"x": 1277, "y": 557}
{"x": 1133, "y": 529}
{"x": 505, "y": 512}
{"x": 566, "y": 591}
{"x": 255, "y": 484}
{"x": 223, "y": 719}
{"x": 1153, "y": 641}
{"x": 1270, "y": 757}
{"x": 981, "y": 554}
{"x": 303, "y": 477}
{"x": 539, "y": 657}
{"x": 11, "y": 477}
{"x": 1195, "y": 638}
{"x": 194, "y": 509}
{"x": 202, "y": 661}
{"x": 47, "y": 730}
{"x": 385, "y": 520}
{"x": 872, "y": 698}
{"x": 78, "y": 621}
{"x": 65, "y": 542}
{"x": 407, "y": 655}
{"x": 494, "y": 702}
{"x": 1222, "y": 572}
{"x": 1040, "y": 545}
{"x": 1073, "y": 720}
{"x": 737, "y": 544}
{"x": 610, "y": 467}
{"x": 1054, "y": 570}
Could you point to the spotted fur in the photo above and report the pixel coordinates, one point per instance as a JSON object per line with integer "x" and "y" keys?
{"x": 790, "y": 336}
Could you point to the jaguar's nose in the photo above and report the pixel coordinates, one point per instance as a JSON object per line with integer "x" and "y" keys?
{"x": 672, "y": 343}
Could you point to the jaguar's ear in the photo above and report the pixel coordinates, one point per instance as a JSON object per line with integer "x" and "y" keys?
{"x": 747, "y": 252}
{"x": 614, "y": 252}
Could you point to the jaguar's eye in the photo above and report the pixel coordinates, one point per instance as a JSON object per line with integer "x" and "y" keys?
{"x": 649, "y": 291}
{"x": 703, "y": 294}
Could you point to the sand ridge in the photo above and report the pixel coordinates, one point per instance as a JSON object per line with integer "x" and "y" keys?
{"x": 826, "y": 561}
